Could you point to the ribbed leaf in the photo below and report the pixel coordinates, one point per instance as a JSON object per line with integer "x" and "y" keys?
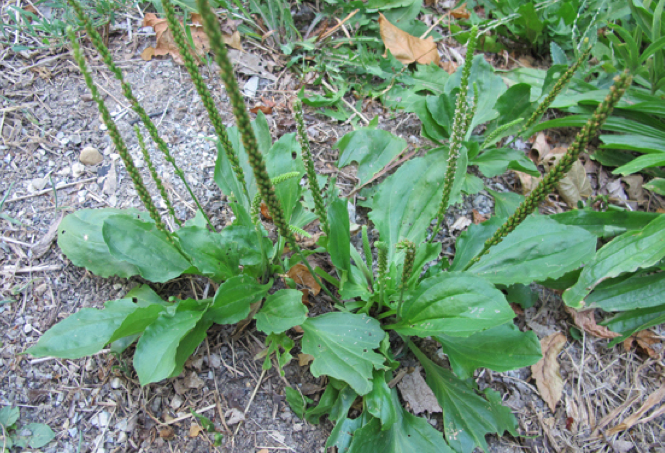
{"x": 625, "y": 253}
{"x": 281, "y": 311}
{"x": 538, "y": 249}
{"x": 342, "y": 345}
{"x": 233, "y": 298}
{"x": 605, "y": 224}
{"x": 452, "y": 303}
{"x": 500, "y": 348}
{"x": 371, "y": 149}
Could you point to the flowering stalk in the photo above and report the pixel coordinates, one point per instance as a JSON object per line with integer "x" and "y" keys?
{"x": 119, "y": 143}
{"x": 155, "y": 176}
{"x": 560, "y": 84}
{"x": 382, "y": 248}
{"x": 590, "y": 129}
{"x": 97, "y": 41}
{"x": 256, "y": 161}
{"x": 461, "y": 123}
{"x": 319, "y": 205}
{"x": 204, "y": 93}
{"x": 368, "y": 256}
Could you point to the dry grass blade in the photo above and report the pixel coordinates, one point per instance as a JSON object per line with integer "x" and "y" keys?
{"x": 653, "y": 399}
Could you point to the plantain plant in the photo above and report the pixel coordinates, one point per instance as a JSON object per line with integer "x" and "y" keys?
{"x": 463, "y": 308}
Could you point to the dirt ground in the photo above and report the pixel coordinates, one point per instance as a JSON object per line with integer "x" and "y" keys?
{"x": 97, "y": 405}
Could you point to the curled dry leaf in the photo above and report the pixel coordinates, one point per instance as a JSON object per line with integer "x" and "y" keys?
{"x": 540, "y": 148}
{"x": 634, "y": 187}
{"x": 575, "y": 184}
{"x": 546, "y": 371}
{"x": 527, "y": 181}
{"x": 304, "y": 359}
{"x": 234, "y": 416}
{"x": 165, "y": 44}
{"x": 478, "y": 217}
{"x": 195, "y": 430}
{"x": 300, "y": 274}
{"x": 645, "y": 340}
{"x": 405, "y": 47}
{"x": 417, "y": 393}
{"x": 263, "y": 108}
{"x": 461, "y": 12}
{"x": 586, "y": 321}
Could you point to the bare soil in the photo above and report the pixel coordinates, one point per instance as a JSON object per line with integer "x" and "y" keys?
{"x": 96, "y": 404}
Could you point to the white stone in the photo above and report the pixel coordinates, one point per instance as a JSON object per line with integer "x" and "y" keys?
{"x": 90, "y": 156}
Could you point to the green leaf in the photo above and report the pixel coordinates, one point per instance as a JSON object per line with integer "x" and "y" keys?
{"x": 452, "y": 303}
{"x": 285, "y": 157}
{"x": 470, "y": 242}
{"x": 371, "y": 149}
{"x": 605, "y": 224}
{"x": 233, "y": 298}
{"x": 205, "y": 422}
{"x": 41, "y": 435}
{"x": 656, "y": 185}
{"x": 496, "y": 161}
{"x": 408, "y": 434}
{"x": 626, "y": 253}
{"x": 245, "y": 237}
{"x": 406, "y": 202}
{"x": 513, "y": 104}
{"x": 155, "y": 356}
{"x": 281, "y": 311}
{"x": 621, "y": 294}
{"x": 633, "y": 142}
{"x": 317, "y": 100}
{"x": 83, "y": 333}
{"x": 137, "y": 321}
{"x": 505, "y": 203}
{"x": 442, "y": 110}
{"x": 80, "y": 238}
{"x": 467, "y": 417}
{"x": 211, "y": 255}
{"x": 297, "y": 401}
{"x": 521, "y": 295}
{"x": 379, "y": 401}
{"x": 640, "y": 163}
{"x": 9, "y": 415}
{"x": 500, "y": 348}
{"x": 631, "y": 321}
{"x": 425, "y": 253}
{"x": 339, "y": 242}
{"x": 342, "y": 346}
{"x": 225, "y": 177}
{"x": 538, "y": 249}
{"x": 144, "y": 246}
{"x": 189, "y": 343}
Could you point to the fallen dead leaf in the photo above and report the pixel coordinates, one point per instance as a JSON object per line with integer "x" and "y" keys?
{"x": 546, "y": 371}
{"x": 634, "y": 187}
{"x": 234, "y": 416}
{"x": 540, "y": 148}
{"x": 300, "y": 274}
{"x": 448, "y": 66}
{"x": 264, "y": 211}
{"x": 305, "y": 296}
{"x": 44, "y": 244}
{"x": 527, "y": 181}
{"x": 405, "y": 47}
{"x": 417, "y": 393}
{"x": 586, "y": 321}
{"x": 634, "y": 419}
{"x": 615, "y": 190}
{"x": 263, "y": 108}
{"x": 460, "y": 12}
{"x": 575, "y": 184}
{"x": 645, "y": 339}
{"x": 167, "y": 433}
{"x": 304, "y": 359}
{"x": 195, "y": 430}
{"x": 478, "y": 217}
{"x": 148, "y": 53}
{"x": 193, "y": 381}
{"x": 460, "y": 224}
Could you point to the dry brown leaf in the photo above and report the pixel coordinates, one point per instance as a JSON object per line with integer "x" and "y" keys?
{"x": 264, "y": 211}
{"x": 167, "y": 433}
{"x": 478, "y": 217}
{"x": 449, "y": 66}
{"x": 300, "y": 274}
{"x": 148, "y": 53}
{"x": 304, "y": 359}
{"x": 575, "y": 185}
{"x": 546, "y": 371}
{"x": 634, "y": 187}
{"x": 195, "y": 430}
{"x": 234, "y": 416}
{"x": 634, "y": 419}
{"x": 263, "y": 450}
{"x": 460, "y": 12}
{"x": 405, "y": 47}
{"x": 263, "y": 108}
{"x": 540, "y": 148}
{"x": 193, "y": 381}
{"x": 417, "y": 393}
{"x": 645, "y": 339}
{"x": 305, "y": 296}
{"x": 527, "y": 181}
{"x": 586, "y": 321}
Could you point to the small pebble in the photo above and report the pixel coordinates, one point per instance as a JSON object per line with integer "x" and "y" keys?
{"x": 90, "y": 156}
{"x": 27, "y": 328}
